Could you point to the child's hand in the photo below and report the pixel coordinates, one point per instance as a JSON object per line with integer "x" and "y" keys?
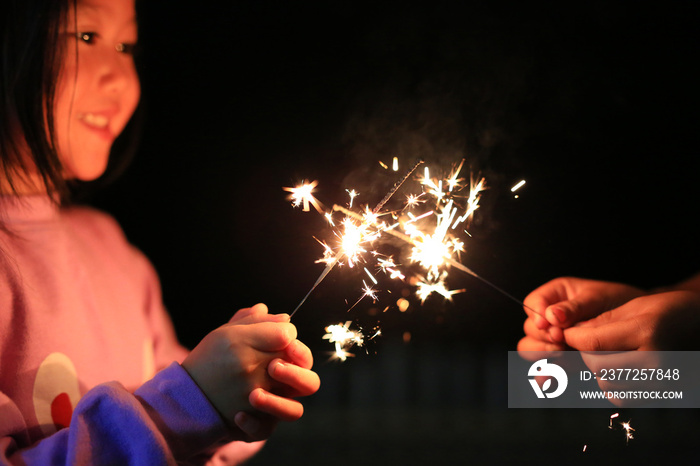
{"x": 562, "y": 303}
{"x": 250, "y": 367}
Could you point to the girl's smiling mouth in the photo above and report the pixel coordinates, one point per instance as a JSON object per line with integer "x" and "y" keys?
{"x": 97, "y": 122}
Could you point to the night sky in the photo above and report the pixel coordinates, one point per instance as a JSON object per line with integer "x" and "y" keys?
{"x": 595, "y": 105}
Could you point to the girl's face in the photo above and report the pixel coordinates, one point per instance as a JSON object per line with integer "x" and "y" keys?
{"x": 98, "y": 88}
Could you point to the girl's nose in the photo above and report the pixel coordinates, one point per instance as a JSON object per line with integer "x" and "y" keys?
{"x": 118, "y": 72}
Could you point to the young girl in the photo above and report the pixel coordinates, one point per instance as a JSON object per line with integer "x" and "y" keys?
{"x": 90, "y": 369}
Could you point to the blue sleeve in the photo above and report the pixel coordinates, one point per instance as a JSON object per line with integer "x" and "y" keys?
{"x": 166, "y": 421}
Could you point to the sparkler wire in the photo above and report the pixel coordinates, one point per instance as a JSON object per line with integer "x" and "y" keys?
{"x": 396, "y": 187}
{"x": 318, "y": 282}
{"x": 340, "y": 254}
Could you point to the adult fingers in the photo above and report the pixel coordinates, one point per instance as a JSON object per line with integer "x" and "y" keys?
{"x": 588, "y": 299}
{"x": 585, "y": 305}
{"x": 617, "y": 335}
{"x": 528, "y": 344}
{"x": 545, "y": 295}
{"x": 537, "y": 302}
{"x": 531, "y": 329}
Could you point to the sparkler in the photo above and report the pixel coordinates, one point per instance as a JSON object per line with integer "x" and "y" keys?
{"x": 430, "y": 222}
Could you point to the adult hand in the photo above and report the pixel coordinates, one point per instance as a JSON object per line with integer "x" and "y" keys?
{"x": 564, "y": 302}
{"x": 658, "y": 322}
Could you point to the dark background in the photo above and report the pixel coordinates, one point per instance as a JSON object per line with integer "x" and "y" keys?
{"x": 595, "y": 105}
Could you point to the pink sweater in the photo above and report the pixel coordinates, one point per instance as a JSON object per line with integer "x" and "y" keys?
{"x": 83, "y": 332}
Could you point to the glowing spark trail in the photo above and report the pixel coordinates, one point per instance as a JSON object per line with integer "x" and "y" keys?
{"x": 517, "y": 186}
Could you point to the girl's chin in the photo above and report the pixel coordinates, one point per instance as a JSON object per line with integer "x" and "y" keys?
{"x": 85, "y": 173}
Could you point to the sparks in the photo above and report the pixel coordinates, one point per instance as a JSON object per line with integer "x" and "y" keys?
{"x": 625, "y": 426}
{"x": 344, "y": 339}
{"x": 369, "y": 291}
{"x": 302, "y": 195}
{"x": 426, "y": 288}
{"x": 453, "y": 181}
{"x": 353, "y": 194}
{"x": 435, "y": 244}
{"x": 389, "y": 267}
{"x": 431, "y": 221}
{"x": 412, "y": 200}
{"x": 628, "y": 431}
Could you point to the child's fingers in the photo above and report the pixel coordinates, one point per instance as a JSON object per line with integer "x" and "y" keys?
{"x": 302, "y": 381}
{"x": 282, "y": 408}
{"x": 268, "y": 336}
{"x": 257, "y": 313}
{"x": 257, "y": 318}
{"x": 300, "y": 354}
{"x": 249, "y": 312}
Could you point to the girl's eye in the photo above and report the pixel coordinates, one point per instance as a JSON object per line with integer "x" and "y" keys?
{"x": 87, "y": 37}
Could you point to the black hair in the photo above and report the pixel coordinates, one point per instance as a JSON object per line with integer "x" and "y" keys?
{"x": 30, "y": 63}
